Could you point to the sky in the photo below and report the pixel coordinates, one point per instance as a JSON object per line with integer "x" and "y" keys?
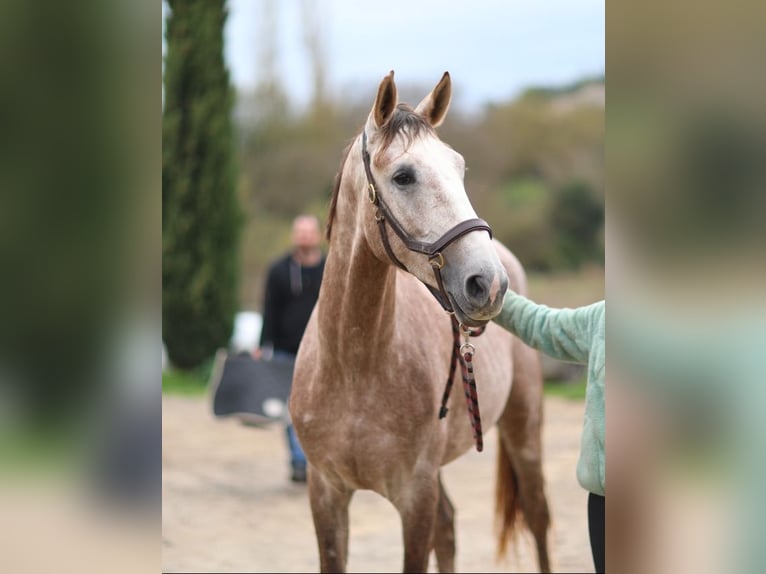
{"x": 493, "y": 49}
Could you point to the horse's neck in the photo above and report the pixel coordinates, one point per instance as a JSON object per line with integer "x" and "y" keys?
{"x": 357, "y": 300}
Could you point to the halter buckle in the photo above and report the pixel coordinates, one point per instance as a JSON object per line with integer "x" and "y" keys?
{"x": 372, "y": 195}
{"x": 437, "y": 261}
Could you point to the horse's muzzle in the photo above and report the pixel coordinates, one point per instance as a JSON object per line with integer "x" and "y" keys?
{"x": 481, "y": 297}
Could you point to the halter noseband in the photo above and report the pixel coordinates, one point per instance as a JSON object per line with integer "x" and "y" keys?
{"x": 433, "y": 250}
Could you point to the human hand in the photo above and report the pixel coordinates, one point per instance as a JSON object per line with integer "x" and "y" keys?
{"x": 264, "y": 353}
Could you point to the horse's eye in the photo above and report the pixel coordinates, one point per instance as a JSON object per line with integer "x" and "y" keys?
{"x": 404, "y": 177}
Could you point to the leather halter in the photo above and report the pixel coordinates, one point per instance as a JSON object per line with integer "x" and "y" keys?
{"x": 462, "y": 354}
{"x": 432, "y": 250}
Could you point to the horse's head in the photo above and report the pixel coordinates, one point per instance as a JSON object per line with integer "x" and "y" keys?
{"x": 416, "y": 190}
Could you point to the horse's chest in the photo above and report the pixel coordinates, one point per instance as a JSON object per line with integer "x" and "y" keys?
{"x": 365, "y": 446}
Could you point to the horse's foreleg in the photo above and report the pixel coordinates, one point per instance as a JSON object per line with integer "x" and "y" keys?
{"x": 418, "y": 516}
{"x": 329, "y": 509}
{"x": 444, "y": 531}
{"x": 520, "y": 430}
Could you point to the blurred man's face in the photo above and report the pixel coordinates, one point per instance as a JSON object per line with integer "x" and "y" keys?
{"x": 306, "y": 233}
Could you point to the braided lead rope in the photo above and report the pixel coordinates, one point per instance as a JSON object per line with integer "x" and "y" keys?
{"x": 471, "y": 395}
{"x": 453, "y": 365}
{"x": 464, "y": 354}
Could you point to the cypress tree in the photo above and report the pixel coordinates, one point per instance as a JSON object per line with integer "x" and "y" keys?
{"x": 200, "y": 214}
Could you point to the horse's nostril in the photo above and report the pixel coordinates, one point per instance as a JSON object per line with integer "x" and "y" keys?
{"x": 477, "y": 287}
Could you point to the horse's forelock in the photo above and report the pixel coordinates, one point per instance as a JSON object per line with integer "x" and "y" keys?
{"x": 405, "y": 122}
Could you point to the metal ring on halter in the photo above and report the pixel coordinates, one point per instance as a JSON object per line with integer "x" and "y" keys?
{"x": 372, "y": 195}
{"x": 465, "y": 347}
{"x": 437, "y": 261}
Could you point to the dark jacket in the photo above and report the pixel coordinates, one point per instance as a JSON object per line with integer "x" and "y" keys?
{"x": 291, "y": 293}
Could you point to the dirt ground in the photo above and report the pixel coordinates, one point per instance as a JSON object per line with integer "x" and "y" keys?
{"x": 228, "y": 504}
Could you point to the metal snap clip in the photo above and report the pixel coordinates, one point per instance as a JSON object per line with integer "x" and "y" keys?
{"x": 467, "y": 348}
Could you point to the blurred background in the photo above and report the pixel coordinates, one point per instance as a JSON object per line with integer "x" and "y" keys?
{"x": 260, "y": 99}
{"x": 527, "y": 115}
{"x": 81, "y": 160}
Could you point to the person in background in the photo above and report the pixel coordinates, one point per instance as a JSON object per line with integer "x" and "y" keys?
{"x": 575, "y": 335}
{"x": 292, "y": 289}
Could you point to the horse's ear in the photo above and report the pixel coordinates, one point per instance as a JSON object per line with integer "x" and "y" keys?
{"x": 385, "y": 101}
{"x": 435, "y": 105}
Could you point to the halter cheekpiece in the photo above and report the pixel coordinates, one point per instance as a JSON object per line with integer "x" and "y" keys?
{"x": 462, "y": 353}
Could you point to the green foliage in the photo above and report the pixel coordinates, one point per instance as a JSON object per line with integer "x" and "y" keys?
{"x": 290, "y": 163}
{"x": 577, "y": 218}
{"x": 524, "y": 157}
{"x": 200, "y": 217}
{"x": 74, "y": 186}
{"x": 549, "y": 229}
{"x": 574, "y": 390}
{"x": 191, "y": 383}
{"x": 525, "y": 205}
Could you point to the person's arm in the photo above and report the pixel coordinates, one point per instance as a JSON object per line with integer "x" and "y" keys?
{"x": 271, "y": 311}
{"x": 565, "y": 334}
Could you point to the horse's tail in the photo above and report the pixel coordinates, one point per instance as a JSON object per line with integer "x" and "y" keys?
{"x": 508, "y": 513}
{"x": 520, "y": 501}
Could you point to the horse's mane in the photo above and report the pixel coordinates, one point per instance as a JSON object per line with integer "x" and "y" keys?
{"x": 336, "y": 190}
{"x": 404, "y": 121}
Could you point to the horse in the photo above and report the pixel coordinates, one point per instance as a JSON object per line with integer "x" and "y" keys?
{"x": 371, "y": 367}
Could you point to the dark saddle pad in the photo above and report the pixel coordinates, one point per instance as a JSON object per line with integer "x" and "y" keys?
{"x": 255, "y": 390}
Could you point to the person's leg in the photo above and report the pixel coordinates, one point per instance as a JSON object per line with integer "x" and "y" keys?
{"x": 597, "y": 529}
{"x": 297, "y": 458}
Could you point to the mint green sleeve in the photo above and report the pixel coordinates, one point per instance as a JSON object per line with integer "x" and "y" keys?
{"x": 565, "y": 334}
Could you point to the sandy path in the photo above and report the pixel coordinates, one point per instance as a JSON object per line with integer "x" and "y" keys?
{"x": 228, "y": 505}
